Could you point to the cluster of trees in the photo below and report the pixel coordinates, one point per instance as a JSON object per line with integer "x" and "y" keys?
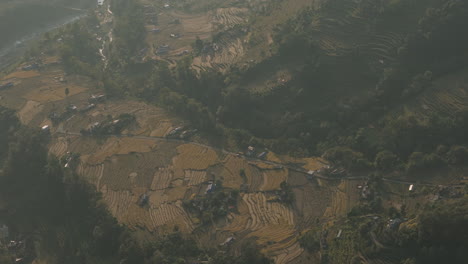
{"x": 58, "y": 214}
{"x": 436, "y": 235}
{"x": 432, "y": 236}
{"x": 215, "y": 204}
{"x": 80, "y": 48}
{"x": 406, "y": 142}
{"x": 286, "y": 193}
{"x": 111, "y": 126}
{"x": 129, "y": 33}
{"x": 310, "y": 240}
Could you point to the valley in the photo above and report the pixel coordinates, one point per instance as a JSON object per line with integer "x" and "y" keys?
{"x": 205, "y": 127}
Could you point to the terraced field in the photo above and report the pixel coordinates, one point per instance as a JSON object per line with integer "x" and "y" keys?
{"x": 231, "y": 51}
{"x": 226, "y": 18}
{"x": 194, "y": 177}
{"x": 92, "y": 173}
{"x": 447, "y": 95}
{"x": 273, "y": 178}
{"x": 263, "y": 213}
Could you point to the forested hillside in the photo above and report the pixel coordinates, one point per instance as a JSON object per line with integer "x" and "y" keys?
{"x": 235, "y": 131}
{"x": 356, "y": 71}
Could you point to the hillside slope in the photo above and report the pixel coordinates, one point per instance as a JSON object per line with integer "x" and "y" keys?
{"x": 311, "y": 131}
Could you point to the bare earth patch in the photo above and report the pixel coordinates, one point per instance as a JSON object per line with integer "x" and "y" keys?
{"x": 53, "y": 92}
{"x": 29, "y": 111}
{"x": 22, "y": 75}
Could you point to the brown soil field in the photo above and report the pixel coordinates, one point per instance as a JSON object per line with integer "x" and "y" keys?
{"x": 22, "y": 75}
{"x": 262, "y": 165}
{"x": 119, "y": 146}
{"x": 273, "y": 157}
{"x": 238, "y": 222}
{"x": 29, "y": 111}
{"x": 176, "y": 193}
{"x": 311, "y": 200}
{"x": 254, "y": 178}
{"x": 289, "y": 254}
{"x": 230, "y": 171}
{"x": 92, "y": 173}
{"x": 313, "y": 163}
{"x": 51, "y": 60}
{"x": 272, "y": 234}
{"x": 273, "y": 178}
{"x": 143, "y": 170}
{"x": 194, "y": 157}
{"x": 344, "y": 197}
{"x": 157, "y": 198}
{"x": 53, "y": 92}
{"x": 232, "y": 52}
{"x": 58, "y": 146}
{"x": 118, "y": 173}
{"x": 195, "y": 25}
{"x": 83, "y": 145}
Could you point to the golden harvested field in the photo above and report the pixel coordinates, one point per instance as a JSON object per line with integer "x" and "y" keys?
{"x": 157, "y": 198}
{"x": 344, "y": 197}
{"x": 151, "y": 121}
{"x": 311, "y": 199}
{"x": 194, "y": 25}
{"x": 262, "y": 165}
{"x": 120, "y": 146}
{"x": 22, "y": 75}
{"x": 230, "y": 171}
{"x": 232, "y": 52}
{"x": 263, "y": 213}
{"x": 53, "y": 92}
{"x": 194, "y": 177}
{"x": 313, "y": 163}
{"x": 176, "y": 193}
{"x": 51, "y": 60}
{"x": 229, "y": 17}
{"x": 170, "y": 215}
{"x": 254, "y": 178}
{"x": 272, "y": 157}
{"x": 162, "y": 179}
{"x": 29, "y": 111}
{"x": 58, "y": 146}
{"x": 83, "y": 145}
{"x": 194, "y": 157}
{"x": 273, "y": 234}
{"x": 273, "y": 178}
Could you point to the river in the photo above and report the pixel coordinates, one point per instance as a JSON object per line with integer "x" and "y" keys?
{"x": 16, "y": 48}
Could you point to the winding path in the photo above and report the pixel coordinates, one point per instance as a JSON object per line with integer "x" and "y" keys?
{"x": 290, "y": 167}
